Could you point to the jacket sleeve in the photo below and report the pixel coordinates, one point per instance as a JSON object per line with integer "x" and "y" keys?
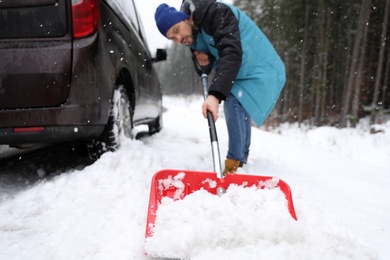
{"x": 221, "y": 23}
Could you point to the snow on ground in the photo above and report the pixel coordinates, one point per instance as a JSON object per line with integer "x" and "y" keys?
{"x": 339, "y": 179}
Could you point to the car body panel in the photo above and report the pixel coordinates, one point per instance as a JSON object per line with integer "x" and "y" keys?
{"x": 66, "y": 85}
{"x": 34, "y": 75}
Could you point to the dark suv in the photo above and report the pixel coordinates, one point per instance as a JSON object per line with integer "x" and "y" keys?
{"x": 75, "y": 70}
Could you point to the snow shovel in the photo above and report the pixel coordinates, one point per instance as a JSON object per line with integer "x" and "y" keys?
{"x": 176, "y": 184}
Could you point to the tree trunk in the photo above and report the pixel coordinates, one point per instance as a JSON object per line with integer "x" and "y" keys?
{"x": 302, "y": 66}
{"x": 364, "y": 9}
{"x": 386, "y": 80}
{"x": 378, "y": 78}
{"x": 321, "y": 64}
{"x": 359, "y": 75}
{"x": 325, "y": 70}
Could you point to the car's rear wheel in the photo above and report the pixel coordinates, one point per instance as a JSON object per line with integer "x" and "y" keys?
{"x": 119, "y": 125}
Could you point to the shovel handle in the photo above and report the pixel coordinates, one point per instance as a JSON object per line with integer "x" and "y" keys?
{"x": 213, "y": 132}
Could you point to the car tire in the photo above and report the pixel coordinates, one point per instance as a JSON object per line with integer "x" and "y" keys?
{"x": 119, "y": 125}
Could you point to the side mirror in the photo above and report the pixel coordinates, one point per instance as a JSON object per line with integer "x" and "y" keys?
{"x": 161, "y": 54}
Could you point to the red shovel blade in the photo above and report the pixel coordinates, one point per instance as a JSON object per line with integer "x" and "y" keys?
{"x": 176, "y": 184}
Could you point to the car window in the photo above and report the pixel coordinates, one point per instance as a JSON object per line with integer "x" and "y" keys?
{"x": 32, "y": 18}
{"x": 126, "y": 11}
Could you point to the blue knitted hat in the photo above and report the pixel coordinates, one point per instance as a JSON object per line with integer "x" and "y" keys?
{"x": 166, "y": 17}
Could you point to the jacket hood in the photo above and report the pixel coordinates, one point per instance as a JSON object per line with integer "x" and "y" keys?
{"x": 197, "y": 9}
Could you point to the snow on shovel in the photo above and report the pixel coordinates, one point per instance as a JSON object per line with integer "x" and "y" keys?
{"x": 177, "y": 184}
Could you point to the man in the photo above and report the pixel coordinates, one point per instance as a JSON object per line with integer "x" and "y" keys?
{"x": 249, "y": 74}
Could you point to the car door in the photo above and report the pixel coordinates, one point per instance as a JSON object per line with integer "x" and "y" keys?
{"x": 149, "y": 86}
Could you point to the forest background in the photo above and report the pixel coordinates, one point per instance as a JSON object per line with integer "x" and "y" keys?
{"x": 336, "y": 54}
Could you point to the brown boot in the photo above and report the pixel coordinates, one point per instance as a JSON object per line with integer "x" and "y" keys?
{"x": 231, "y": 166}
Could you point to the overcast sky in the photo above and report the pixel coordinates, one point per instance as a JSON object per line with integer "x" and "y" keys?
{"x": 147, "y": 10}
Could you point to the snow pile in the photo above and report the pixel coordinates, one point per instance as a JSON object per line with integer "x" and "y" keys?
{"x": 205, "y": 226}
{"x": 100, "y": 212}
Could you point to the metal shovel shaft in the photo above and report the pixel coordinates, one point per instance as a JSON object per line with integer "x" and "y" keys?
{"x": 213, "y": 137}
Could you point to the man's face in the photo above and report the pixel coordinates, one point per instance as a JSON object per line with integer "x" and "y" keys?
{"x": 182, "y": 33}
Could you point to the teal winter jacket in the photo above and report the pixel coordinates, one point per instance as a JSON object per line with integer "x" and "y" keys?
{"x": 246, "y": 63}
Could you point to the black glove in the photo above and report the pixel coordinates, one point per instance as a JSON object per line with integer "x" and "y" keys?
{"x": 203, "y": 69}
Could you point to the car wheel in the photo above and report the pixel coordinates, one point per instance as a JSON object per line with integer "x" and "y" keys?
{"x": 119, "y": 125}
